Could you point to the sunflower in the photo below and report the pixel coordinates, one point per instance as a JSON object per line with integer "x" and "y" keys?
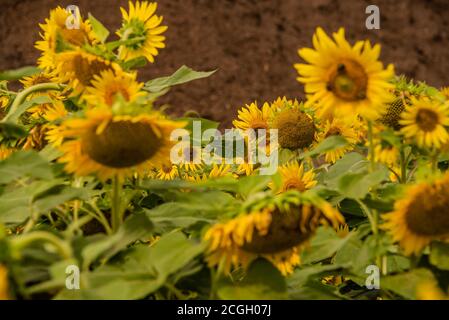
{"x": 52, "y": 115}
{"x": 424, "y": 120}
{"x": 251, "y": 117}
{"x": 385, "y": 153}
{"x": 57, "y": 37}
{"x": 107, "y": 85}
{"x": 345, "y": 79}
{"x": 445, "y": 92}
{"x": 143, "y": 28}
{"x": 5, "y": 151}
{"x": 190, "y": 157}
{"x": 338, "y": 127}
{"x": 167, "y": 171}
{"x": 393, "y": 114}
{"x": 277, "y": 232}
{"x": 115, "y": 145}
{"x": 293, "y": 177}
{"x": 421, "y": 216}
{"x": 79, "y": 68}
{"x": 4, "y": 287}
{"x": 4, "y": 102}
{"x": 296, "y": 129}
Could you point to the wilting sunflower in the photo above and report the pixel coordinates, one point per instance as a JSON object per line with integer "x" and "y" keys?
{"x": 421, "y": 216}
{"x": 57, "y": 37}
{"x": 293, "y": 177}
{"x": 106, "y": 86}
{"x": 296, "y": 129}
{"x": 167, "y": 171}
{"x": 276, "y": 231}
{"x": 338, "y": 127}
{"x": 424, "y": 121}
{"x": 143, "y": 28}
{"x": 115, "y": 145}
{"x": 345, "y": 79}
{"x": 4, "y": 286}
{"x": 79, "y": 68}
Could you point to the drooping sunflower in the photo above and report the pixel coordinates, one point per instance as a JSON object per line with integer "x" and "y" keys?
{"x": 79, "y": 68}
{"x": 293, "y": 177}
{"x": 143, "y": 28}
{"x": 57, "y": 37}
{"x": 296, "y": 129}
{"x": 251, "y": 117}
{"x": 338, "y": 127}
{"x": 421, "y": 216}
{"x": 107, "y": 85}
{"x": 345, "y": 79}
{"x": 276, "y": 231}
{"x": 424, "y": 121}
{"x": 115, "y": 145}
{"x": 167, "y": 171}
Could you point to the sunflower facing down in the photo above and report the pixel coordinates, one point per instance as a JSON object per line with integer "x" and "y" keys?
{"x": 345, "y": 79}
{"x": 106, "y": 86}
{"x": 420, "y": 217}
{"x": 115, "y": 145}
{"x": 57, "y": 37}
{"x": 424, "y": 121}
{"x": 276, "y": 232}
{"x": 338, "y": 127}
{"x": 79, "y": 69}
{"x": 293, "y": 177}
{"x": 143, "y": 27}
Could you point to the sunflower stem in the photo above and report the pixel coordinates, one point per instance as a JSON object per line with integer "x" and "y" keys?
{"x": 403, "y": 167}
{"x": 22, "y": 96}
{"x": 116, "y": 209}
{"x": 24, "y": 240}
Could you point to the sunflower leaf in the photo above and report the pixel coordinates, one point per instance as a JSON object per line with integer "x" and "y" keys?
{"x": 17, "y": 74}
{"x": 98, "y": 28}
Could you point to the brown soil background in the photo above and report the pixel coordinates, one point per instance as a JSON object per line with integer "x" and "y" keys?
{"x": 253, "y": 43}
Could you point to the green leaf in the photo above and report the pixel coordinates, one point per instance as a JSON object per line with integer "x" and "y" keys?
{"x": 330, "y": 143}
{"x": 14, "y": 115}
{"x": 262, "y": 282}
{"x": 17, "y": 74}
{"x": 24, "y": 164}
{"x": 405, "y": 284}
{"x": 98, "y": 28}
{"x": 138, "y": 62}
{"x": 302, "y": 276}
{"x": 55, "y": 196}
{"x": 439, "y": 255}
{"x": 12, "y": 130}
{"x": 357, "y": 185}
{"x": 182, "y": 75}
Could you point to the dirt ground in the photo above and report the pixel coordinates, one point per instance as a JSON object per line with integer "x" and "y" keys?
{"x": 253, "y": 43}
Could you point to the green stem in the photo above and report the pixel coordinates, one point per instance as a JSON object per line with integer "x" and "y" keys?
{"x": 23, "y": 94}
{"x": 24, "y": 240}
{"x": 371, "y": 146}
{"x": 116, "y": 204}
{"x": 403, "y": 167}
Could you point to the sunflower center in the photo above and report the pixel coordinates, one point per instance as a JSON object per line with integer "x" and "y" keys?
{"x": 295, "y": 184}
{"x": 284, "y": 233}
{"x": 113, "y": 91}
{"x": 427, "y": 119}
{"x": 393, "y": 114}
{"x": 85, "y": 70}
{"x": 166, "y": 168}
{"x": 295, "y": 129}
{"x": 428, "y": 213}
{"x": 348, "y": 81}
{"x": 121, "y": 144}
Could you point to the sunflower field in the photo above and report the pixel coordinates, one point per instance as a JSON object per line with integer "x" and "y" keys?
{"x": 93, "y": 205}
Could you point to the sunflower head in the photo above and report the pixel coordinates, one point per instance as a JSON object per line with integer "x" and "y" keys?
{"x": 293, "y": 177}
{"x": 167, "y": 171}
{"x": 393, "y": 114}
{"x": 143, "y": 28}
{"x": 296, "y": 129}
{"x": 251, "y": 117}
{"x": 421, "y": 216}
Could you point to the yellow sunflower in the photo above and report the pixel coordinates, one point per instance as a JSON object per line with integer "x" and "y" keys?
{"x": 293, "y": 177}
{"x": 275, "y": 232}
{"x": 107, "y": 85}
{"x": 57, "y": 37}
{"x": 345, "y": 79}
{"x": 385, "y": 153}
{"x": 251, "y": 117}
{"x": 338, "y": 127}
{"x": 79, "y": 68}
{"x": 115, "y": 145}
{"x": 424, "y": 121}
{"x": 5, "y": 151}
{"x": 143, "y": 28}
{"x": 421, "y": 216}
{"x": 191, "y": 157}
{"x": 167, "y": 171}
{"x": 4, "y": 102}
{"x": 55, "y": 113}
{"x": 445, "y": 92}
{"x": 4, "y": 286}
